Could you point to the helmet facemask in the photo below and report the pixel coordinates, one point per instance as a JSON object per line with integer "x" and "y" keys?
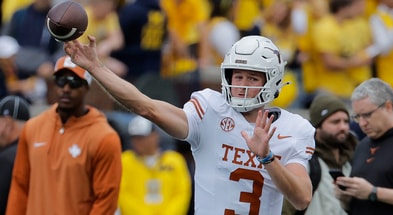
{"x": 254, "y": 53}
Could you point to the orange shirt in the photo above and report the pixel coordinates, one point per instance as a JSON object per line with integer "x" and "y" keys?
{"x": 67, "y": 169}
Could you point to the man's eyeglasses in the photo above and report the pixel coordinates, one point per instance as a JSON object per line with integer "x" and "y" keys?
{"x": 72, "y": 81}
{"x": 366, "y": 116}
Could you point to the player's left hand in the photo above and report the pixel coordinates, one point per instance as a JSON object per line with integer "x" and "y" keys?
{"x": 259, "y": 142}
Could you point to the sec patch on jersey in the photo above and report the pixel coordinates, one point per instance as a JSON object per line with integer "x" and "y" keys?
{"x": 66, "y": 21}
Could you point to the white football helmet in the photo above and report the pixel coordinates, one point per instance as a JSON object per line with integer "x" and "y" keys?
{"x": 254, "y": 53}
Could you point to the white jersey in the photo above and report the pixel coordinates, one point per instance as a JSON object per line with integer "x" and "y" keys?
{"x": 228, "y": 177}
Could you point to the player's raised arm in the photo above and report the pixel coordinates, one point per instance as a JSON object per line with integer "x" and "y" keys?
{"x": 171, "y": 118}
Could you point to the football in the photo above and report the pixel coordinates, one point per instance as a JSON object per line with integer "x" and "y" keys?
{"x": 66, "y": 21}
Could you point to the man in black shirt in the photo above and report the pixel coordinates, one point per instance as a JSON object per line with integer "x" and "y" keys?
{"x": 369, "y": 189}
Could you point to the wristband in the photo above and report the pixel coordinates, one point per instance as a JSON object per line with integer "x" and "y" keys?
{"x": 266, "y": 160}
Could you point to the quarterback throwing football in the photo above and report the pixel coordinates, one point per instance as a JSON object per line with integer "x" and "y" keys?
{"x": 247, "y": 156}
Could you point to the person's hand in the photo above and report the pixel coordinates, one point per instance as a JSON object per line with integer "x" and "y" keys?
{"x": 83, "y": 55}
{"x": 356, "y": 187}
{"x": 340, "y": 195}
{"x": 259, "y": 142}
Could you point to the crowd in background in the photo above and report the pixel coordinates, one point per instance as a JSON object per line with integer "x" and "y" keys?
{"x": 169, "y": 48}
{"x": 178, "y": 45}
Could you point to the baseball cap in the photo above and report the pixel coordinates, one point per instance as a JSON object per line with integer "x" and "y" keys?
{"x": 140, "y": 126}
{"x": 65, "y": 63}
{"x": 15, "y": 107}
{"x": 323, "y": 106}
{"x": 8, "y": 46}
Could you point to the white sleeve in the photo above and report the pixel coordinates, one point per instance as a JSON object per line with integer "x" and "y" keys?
{"x": 382, "y": 37}
{"x": 299, "y": 21}
{"x": 223, "y": 36}
{"x": 195, "y": 110}
{"x": 192, "y": 118}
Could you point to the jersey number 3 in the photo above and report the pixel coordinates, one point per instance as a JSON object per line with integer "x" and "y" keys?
{"x": 254, "y": 197}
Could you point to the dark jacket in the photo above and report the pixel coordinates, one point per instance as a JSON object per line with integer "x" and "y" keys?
{"x": 144, "y": 34}
{"x": 7, "y": 158}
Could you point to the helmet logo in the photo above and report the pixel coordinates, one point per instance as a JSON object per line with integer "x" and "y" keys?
{"x": 241, "y": 61}
{"x": 276, "y": 52}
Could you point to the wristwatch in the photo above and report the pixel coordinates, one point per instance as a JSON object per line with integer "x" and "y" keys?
{"x": 373, "y": 195}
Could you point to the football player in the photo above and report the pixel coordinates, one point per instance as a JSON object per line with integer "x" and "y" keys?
{"x": 248, "y": 157}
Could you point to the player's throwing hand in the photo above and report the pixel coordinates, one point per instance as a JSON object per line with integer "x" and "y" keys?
{"x": 85, "y": 55}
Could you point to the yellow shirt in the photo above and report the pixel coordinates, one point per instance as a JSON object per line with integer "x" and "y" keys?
{"x": 304, "y": 44}
{"x": 9, "y": 7}
{"x": 247, "y": 11}
{"x": 358, "y": 38}
{"x": 331, "y": 37}
{"x": 371, "y": 6}
{"x": 100, "y": 28}
{"x": 164, "y": 188}
{"x": 184, "y": 17}
{"x": 383, "y": 62}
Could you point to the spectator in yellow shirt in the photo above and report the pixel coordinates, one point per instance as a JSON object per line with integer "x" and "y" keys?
{"x": 153, "y": 181}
